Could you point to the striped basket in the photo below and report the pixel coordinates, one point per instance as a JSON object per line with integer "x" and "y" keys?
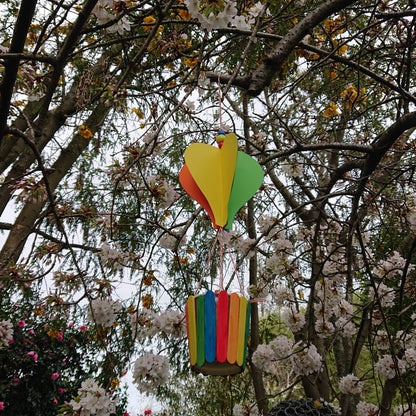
{"x": 218, "y": 326}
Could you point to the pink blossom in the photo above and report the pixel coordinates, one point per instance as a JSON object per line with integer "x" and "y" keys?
{"x": 1, "y": 405}
{"x": 54, "y": 376}
{"x": 21, "y": 324}
{"x": 60, "y": 336}
{"x": 61, "y": 390}
{"x": 32, "y": 332}
{"x": 33, "y": 355}
{"x": 83, "y": 328}
{"x": 16, "y": 380}
{"x": 70, "y": 324}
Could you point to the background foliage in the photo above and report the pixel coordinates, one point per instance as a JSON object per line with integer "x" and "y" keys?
{"x": 98, "y": 101}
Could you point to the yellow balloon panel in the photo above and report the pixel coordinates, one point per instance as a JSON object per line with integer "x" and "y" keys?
{"x": 213, "y": 171}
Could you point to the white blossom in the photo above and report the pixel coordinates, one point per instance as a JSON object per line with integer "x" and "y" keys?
{"x": 150, "y": 371}
{"x": 243, "y": 245}
{"x": 392, "y": 266}
{"x": 293, "y": 319}
{"x": 113, "y": 256}
{"x": 102, "y": 15}
{"x": 193, "y": 7}
{"x": 279, "y": 349}
{"x": 329, "y": 295}
{"x": 143, "y": 324}
{"x": 385, "y": 294}
{"x": 386, "y": 368}
{"x": 189, "y": 105}
{"x": 266, "y": 222}
{"x": 407, "y": 339}
{"x": 203, "y": 81}
{"x": 294, "y": 169}
{"x": 171, "y": 323}
{"x": 168, "y": 195}
{"x": 366, "y": 409}
{"x": 239, "y": 410}
{"x": 410, "y": 357}
{"x": 351, "y": 384}
{"x": 170, "y": 241}
{"x": 324, "y": 328}
{"x": 257, "y": 8}
{"x": 411, "y": 218}
{"x": 6, "y": 333}
{"x": 222, "y": 19}
{"x": 282, "y": 347}
{"x": 257, "y": 291}
{"x": 345, "y": 308}
{"x": 92, "y": 400}
{"x": 103, "y": 311}
{"x": 262, "y": 356}
{"x": 307, "y": 360}
{"x": 405, "y": 410}
{"x": 120, "y": 26}
{"x": 281, "y": 295}
{"x": 381, "y": 340}
{"x": 346, "y": 327}
{"x": 241, "y": 23}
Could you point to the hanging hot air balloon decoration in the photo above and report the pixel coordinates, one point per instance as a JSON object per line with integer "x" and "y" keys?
{"x": 221, "y": 180}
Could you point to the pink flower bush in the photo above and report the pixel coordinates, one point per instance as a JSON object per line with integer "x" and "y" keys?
{"x": 33, "y": 355}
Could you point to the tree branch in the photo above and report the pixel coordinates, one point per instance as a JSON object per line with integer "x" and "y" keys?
{"x": 24, "y": 19}
{"x": 244, "y": 81}
{"x": 263, "y": 75}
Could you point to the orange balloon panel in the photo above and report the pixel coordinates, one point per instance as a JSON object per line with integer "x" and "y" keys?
{"x": 213, "y": 171}
{"x": 190, "y": 186}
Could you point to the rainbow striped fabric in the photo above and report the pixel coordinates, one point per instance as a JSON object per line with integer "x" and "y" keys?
{"x": 218, "y": 328}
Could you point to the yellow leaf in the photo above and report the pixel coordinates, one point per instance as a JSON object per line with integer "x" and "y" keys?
{"x": 331, "y": 110}
{"x": 342, "y": 49}
{"x": 85, "y": 132}
{"x": 184, "y": 14}
{"x": 191, "y": 62}
{"x": 138, "y": 112}
{"x": 149, "y": 21}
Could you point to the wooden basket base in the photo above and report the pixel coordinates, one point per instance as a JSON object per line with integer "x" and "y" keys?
{"x": 217, "y": 369}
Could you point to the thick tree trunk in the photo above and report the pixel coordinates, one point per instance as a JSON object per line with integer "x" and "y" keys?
{"x": 24, "y": 19}
{"x": 258, "y": 384}
{"x": 257, "y": 375}
{"x": 388, "y": 394}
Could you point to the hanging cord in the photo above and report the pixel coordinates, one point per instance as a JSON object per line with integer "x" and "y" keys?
{"x": 220, "y": 102}
{"x": 206, "y": 265}
{"x": 238, "y": 279}
{"x": 234, "y": 266}
{"x": 221, "y": 233}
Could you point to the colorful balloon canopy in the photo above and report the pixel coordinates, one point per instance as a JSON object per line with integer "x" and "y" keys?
{"x": 220, "y": 179}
